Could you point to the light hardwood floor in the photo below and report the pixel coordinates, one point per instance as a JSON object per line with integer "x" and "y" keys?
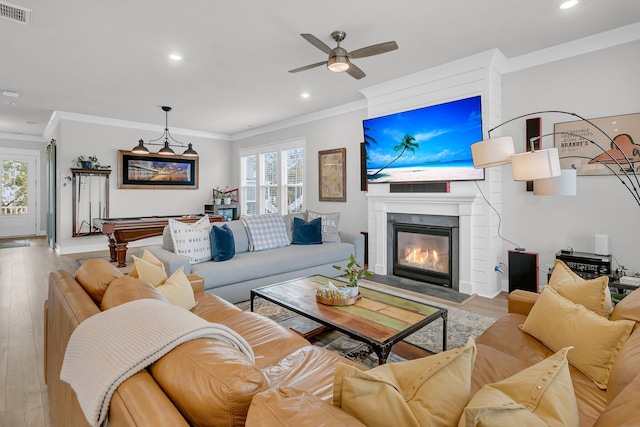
{"x": 23, "y": 289}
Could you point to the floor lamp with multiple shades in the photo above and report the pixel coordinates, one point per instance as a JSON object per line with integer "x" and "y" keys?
{"x": 543, "y": 166}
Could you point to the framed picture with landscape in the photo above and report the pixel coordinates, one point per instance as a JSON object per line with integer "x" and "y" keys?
{"x": 332, "y": 168}
{"x": 156, "y": 171}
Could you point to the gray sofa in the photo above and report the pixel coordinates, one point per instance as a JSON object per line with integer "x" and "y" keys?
{"x": 233, "y": 279}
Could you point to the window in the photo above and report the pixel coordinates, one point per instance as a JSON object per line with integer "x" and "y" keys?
{"x": 14, "y": 187}
{"x": 272, "y": 178}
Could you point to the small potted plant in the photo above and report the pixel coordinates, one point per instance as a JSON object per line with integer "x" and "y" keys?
{"x": 354, "y": 272}
{"x": 218, "y": 194}
{"x": 84, "y": 162}
{"x": 90, "y": 162}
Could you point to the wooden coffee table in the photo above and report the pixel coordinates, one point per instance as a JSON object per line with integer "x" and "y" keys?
{"x": 378, "y": 318}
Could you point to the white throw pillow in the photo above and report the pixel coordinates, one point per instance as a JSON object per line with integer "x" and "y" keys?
{"x": 192, "y": 240}
{"x": 330, "y": 223}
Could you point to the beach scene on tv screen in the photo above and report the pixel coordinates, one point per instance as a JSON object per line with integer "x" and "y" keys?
{"x": 427, "y": 144}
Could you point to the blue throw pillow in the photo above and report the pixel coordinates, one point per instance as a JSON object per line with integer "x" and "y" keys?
{"x": 307, "y": 233}
{"x": 223, "y": 246}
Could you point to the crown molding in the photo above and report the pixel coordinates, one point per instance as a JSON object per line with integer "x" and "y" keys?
{"x": 22, "y": 137}
{"x": 607, "y": 39}
{"x": 58, "y": 116}
{"x": 318, "y": 115}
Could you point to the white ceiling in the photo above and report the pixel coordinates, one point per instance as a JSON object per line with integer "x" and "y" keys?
{"x": 110, "y": 58}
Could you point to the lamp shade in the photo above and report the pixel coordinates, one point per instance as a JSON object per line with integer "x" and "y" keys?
{"x": 536, "y": 165}
{"x": 563, "y": 185}
{"x": 166, "y": 150}
{"x": 190, "y": 151}
{"x": 140, "y": 148}
{"x": 492, "y": 152}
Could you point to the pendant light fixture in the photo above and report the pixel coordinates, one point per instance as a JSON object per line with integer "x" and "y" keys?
{"x": 166, "y": 149}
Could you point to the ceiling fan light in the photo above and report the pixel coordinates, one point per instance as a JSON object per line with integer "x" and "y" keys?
{"x": 338, "y": 64}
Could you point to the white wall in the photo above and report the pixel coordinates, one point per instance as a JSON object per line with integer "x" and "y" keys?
{"x": 103, "y": 141}
{"x": 340, "y": 131}
{"x": 598, "y": 84}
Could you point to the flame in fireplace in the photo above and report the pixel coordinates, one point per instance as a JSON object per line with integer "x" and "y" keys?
{"x": 429, "y": 259}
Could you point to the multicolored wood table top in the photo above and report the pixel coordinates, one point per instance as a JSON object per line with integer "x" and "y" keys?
{"x": 379, "y": 319}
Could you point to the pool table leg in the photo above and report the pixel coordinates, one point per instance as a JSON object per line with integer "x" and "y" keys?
{"x": 112, "y": 250}
{"x": 121, "y": 252}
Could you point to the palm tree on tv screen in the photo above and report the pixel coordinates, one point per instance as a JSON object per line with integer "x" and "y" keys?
{"x": 368, "y": 140}
{"x": 408, "y": 143}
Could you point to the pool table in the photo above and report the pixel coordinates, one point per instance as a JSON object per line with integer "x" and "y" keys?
{"x": 121, "y": 231}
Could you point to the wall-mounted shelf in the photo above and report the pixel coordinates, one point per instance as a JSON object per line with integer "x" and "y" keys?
{"x": 90, "y": 199}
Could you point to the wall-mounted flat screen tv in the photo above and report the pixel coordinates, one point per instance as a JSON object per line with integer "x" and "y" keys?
{"x": 424, "y": 145}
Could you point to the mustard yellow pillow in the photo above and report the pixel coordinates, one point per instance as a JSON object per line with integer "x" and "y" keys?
{"x": 148, "y": 271}
{"x": 147, "y": 256}
{"x": 541, "y": 395}
{"x": 177, "y": 289}
{"x": 430, "y": 391}
{"x": 594, "y": 294}
{"x": 558, "y": 323}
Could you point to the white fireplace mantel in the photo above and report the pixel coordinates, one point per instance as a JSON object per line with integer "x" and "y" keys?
{"x": 463, "y": 206}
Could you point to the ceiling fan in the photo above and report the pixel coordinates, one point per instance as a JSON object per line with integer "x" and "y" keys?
{"x": 339, "y": 58}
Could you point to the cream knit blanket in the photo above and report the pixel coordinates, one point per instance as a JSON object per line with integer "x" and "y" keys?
{"x": 109, "y": 347}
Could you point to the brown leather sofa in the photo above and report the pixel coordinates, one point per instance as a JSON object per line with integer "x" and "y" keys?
{"x": 291, "y": 383}
{"x": 502, "y": 351}
{"x": 201, "y": 382}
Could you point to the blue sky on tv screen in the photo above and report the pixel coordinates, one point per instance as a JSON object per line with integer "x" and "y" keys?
{"x": 444, "y": 134}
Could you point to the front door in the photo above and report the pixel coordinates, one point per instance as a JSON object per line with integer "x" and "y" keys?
{"x": 18, "y": 192}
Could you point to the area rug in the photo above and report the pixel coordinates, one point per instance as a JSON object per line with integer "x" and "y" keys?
{"x": 6, "y": 244}
{"x": 461, "y": 325}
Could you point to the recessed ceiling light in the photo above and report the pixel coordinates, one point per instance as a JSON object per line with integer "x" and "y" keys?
{"x": 568, "y": 4}
{"x": 11, "y": 94}
{"x": 176, "y": 57}
{"x": 305, "y": 95}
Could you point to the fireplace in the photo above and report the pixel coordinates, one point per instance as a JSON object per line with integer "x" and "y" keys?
{"x": 424, "y": 248}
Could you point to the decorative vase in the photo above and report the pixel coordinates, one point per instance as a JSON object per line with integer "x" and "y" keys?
{"x": 218, "y": 201}
{"x": 87, "y": 165}
{"x": 227, "y": 200}
{"x": 355, "y": 290}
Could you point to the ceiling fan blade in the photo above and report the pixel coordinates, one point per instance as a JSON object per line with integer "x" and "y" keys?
{"x": 317, "y": 43}
{"x": 308, "y": 67}
{"x": 375, "y": 49}
{"x": 355, "y": 72}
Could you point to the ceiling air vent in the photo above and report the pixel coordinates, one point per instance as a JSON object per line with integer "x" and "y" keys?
{"x": 15, "y": 13}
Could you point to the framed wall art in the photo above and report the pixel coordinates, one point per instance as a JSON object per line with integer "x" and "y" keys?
{"x": 332, "y": 170}
{"x": 156, "y": 171}
{"x": 576, "y": 151}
